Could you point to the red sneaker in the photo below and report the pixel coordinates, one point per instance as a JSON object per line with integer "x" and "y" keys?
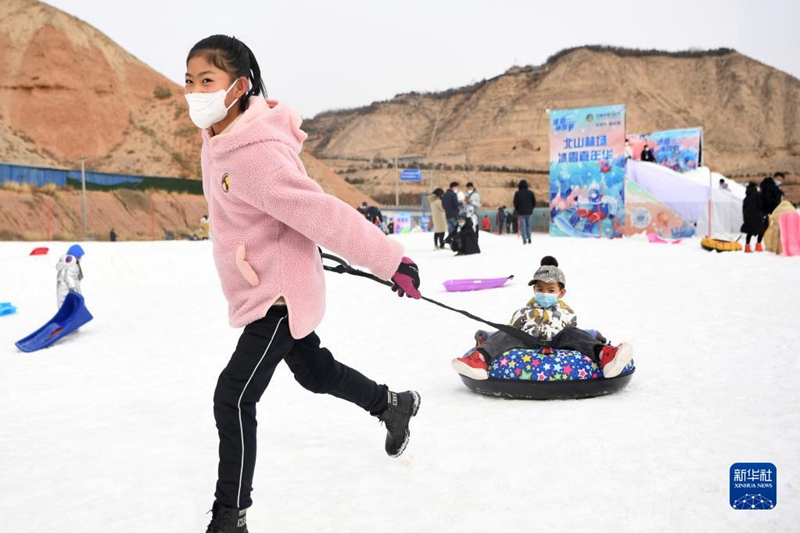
{"x": 759, "y": 248}
{"x": 614, "y": 358}
{"x": 472, "y": 365}
{"x": 747, "y": 249}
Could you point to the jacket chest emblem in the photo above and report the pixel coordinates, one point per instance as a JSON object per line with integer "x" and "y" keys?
{"x": 226, "y": 182}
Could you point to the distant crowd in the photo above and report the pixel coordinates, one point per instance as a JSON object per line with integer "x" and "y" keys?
{"x": 454, "y": 217}
{"x": 456, "y": 224}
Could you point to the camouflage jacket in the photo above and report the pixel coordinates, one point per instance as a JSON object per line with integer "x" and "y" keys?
{"x": 544, "y": 323}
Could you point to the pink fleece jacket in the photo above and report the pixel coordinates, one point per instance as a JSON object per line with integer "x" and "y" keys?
{"x": 268, "y": 216}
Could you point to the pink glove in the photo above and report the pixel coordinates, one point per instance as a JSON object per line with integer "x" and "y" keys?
{"x": 405, "y": 281}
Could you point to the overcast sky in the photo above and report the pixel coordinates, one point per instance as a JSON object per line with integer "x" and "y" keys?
{"x": 325, "y": 55}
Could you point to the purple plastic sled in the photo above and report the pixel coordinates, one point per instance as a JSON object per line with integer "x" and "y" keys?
{"x": 459, "y": 285}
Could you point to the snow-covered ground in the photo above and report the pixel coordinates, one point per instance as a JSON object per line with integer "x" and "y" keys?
{"x": 111, "y": 430}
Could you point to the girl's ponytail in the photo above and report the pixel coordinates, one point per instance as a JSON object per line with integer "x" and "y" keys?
{"x": 254, "y": 75}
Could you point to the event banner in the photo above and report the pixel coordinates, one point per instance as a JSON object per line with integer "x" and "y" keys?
{"x": 587, "y": 172}
{"x": 680, "y": 150}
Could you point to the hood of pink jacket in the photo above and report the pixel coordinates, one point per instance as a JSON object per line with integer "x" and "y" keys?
{"x": 268, "y": 217}
{"x": 275, "y": 120}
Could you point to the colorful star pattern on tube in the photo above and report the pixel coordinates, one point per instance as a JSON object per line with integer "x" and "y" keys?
{"x": 561, "y": 365}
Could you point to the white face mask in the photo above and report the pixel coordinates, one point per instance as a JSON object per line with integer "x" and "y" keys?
{"x": 206, "y": 109}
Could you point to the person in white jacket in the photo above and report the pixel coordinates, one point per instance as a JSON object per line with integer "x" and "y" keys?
{"x": 472, "y": 197}
{"x": 472, "y": 202}
{"x": 69, "y": 273}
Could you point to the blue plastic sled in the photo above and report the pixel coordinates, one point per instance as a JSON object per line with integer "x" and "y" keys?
{"x": 72, "y": 315}
{"x": 7, "y": 309}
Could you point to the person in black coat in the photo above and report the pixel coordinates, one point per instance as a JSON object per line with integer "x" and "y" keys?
{"x": 500, "y": 219}
{"x": 771, "y": 195}
{"x": 450, "y": 203}
{"x": 647, "y": 154}
{"x": 372, "y": 213}
{"x": 464, "y": 240}
{"x": 755, "y": 220}
{"x": 524, "y": 202}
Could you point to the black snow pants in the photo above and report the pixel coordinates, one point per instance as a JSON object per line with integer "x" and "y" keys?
{"x": 569, "y": 338}
{"x": 262, "y": 345}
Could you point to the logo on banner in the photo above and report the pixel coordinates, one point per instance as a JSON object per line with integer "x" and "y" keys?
{"x": 564, "y": 123}
{"x": 754, "y": 486}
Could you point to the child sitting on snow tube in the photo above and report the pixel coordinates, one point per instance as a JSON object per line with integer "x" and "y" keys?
{"x": 552, "y": 324}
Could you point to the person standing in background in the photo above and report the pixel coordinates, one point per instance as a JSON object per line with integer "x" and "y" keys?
{"x": 524, "y": 203}
{"x": 472, "y": 202}
{"x": 755, "y": 221}
{"x": 647, "y": 154}
{"x": 472, "y": 197}
{"x": 451, "y": 206}
{"x": 205, "y": 228}
{"x": 500, "y": 219}
{"x": 438, "y": 217}
{"x": 771, "y": 195}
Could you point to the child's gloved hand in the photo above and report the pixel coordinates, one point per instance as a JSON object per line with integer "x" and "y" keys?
{"x": 405, "y": 281}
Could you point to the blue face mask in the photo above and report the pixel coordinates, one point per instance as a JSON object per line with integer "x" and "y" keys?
{"x": 546, "y": 299}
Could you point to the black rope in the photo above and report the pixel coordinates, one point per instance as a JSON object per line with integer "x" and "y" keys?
{"x": 344, "y": 268}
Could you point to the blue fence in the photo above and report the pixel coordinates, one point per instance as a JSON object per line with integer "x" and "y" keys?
{"x": 39, "y": 177}
{"x": 32, "y": 175}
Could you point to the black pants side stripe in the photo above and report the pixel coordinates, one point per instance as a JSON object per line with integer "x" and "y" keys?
{"x": 239, "y": 406}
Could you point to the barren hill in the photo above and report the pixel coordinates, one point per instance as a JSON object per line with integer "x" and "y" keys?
{"x": 69, "y": 92}
{"x": 749, "y": 113}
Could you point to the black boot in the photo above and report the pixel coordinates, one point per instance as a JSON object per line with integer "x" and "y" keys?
{"x": 227, "y": 520}
{"x": 399, "y": 410}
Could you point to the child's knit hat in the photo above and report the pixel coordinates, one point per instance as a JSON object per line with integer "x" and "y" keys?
{"x": 549, "y": 272}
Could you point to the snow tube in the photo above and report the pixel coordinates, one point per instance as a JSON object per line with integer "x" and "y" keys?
{"x": 560, "y": 375}
{"x": 719, "y": 246}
